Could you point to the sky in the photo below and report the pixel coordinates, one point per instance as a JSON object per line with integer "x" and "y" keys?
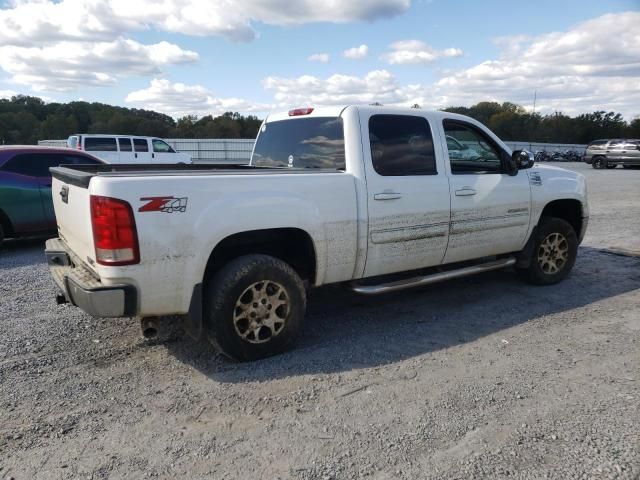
{"x": 202, "y": 57}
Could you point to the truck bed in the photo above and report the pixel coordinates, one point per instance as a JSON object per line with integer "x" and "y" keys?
{"x": 80, "y": 175}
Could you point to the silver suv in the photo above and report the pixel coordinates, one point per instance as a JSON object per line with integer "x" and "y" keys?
{"x": 611, "y": 153}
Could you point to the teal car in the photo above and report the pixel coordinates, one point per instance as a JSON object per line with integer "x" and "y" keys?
{"x": 26, "y": 206}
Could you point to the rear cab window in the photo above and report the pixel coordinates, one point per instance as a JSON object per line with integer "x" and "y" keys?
{"x": 315, "y": 142}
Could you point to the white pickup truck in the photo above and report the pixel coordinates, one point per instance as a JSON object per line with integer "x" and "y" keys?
{"x": 366, "y": 195}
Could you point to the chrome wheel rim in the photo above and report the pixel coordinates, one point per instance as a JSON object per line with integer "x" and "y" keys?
{"x": 553, "y": 253}
{"x": 261, "y": 311}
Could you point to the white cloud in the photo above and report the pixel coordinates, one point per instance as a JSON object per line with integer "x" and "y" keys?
{"x": 581, "y": 70}
{"x": 30, "y": 21}
{"x": 585, "y": 68}
{"x": 37, "y": 36}
{"x": 7, "y": 93}
{"x": 68, "y": 65}
{"x": 319, "y": 57}
{"x": 416, "y": 52}
{"x": 178, "y": 99}
{"x": 356, "y": 53}
{"x": 376, "y": 86}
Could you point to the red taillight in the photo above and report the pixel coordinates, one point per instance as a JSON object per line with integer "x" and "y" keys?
{"x": 114, "y": 231}
{"x": 300, "y": 111}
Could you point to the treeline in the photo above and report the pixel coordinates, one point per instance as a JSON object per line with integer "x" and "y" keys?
{"x": 25, "y": 120}
{"x": 512, "y": 122}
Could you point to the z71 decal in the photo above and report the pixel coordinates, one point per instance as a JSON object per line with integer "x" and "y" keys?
{"x": 164, "y": 204}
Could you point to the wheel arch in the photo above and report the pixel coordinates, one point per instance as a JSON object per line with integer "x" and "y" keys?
{"x": 291, "y": 245}
{"x": 567, "y": 209}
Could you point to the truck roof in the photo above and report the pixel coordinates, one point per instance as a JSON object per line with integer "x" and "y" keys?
{"x": 337, "y": 111}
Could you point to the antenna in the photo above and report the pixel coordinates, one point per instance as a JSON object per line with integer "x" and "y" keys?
{"x": 535, "y": 96}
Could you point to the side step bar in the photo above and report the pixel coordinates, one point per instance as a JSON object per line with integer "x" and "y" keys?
{"x": 432, "y": 278}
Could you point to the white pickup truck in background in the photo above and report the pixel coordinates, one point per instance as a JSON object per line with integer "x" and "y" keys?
{"x": 370, "y": 196}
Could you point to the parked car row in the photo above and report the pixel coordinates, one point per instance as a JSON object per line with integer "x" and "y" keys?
{"x": 611, "y": 153}
{"x": 557, "y": 156}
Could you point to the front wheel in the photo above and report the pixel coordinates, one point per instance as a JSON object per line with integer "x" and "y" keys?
{"x": 254, "y": 307}
{"x": 599, "y": 163}
{"x": 554, "y": 252}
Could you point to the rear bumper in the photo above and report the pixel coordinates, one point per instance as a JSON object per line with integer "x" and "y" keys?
{"x": 81, "y": 287}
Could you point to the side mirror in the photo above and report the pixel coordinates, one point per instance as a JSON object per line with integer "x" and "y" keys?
{"x": 522, "y": 159}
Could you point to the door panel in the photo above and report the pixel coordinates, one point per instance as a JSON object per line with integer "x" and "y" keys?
{"x": 142, "y": 151}
{"x": 408, "y": 194}
{"x": 490, "y": 210}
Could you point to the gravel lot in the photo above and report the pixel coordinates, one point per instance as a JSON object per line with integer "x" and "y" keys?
{"x": 482, "y": 377}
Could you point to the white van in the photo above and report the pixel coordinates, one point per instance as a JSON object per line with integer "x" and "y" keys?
{"x": 127, "y": 148}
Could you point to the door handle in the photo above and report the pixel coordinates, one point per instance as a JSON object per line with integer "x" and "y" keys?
{"x": 387, "y": 196}
{"x": 465, "y": 192}
{"x": 136, "y": 155}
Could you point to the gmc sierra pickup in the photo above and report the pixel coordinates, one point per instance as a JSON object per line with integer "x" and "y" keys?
{"x": 378, "y": 198}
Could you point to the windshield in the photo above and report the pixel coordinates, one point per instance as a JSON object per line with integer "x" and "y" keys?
{"x": 316, "y": 142}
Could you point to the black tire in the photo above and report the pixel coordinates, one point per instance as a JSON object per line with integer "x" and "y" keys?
{"x": 1, "y": 235}
{"x": 541, "y": 271}
{"x": 234, "y": 323}
{"x": 599, "y": 163}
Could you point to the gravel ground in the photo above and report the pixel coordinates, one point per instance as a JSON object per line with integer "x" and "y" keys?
{"x": 484, "y": 377}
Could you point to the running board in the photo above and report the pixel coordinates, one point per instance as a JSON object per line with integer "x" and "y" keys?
{"x": 433, "y": 278}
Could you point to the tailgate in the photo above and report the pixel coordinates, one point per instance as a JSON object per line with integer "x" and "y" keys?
{"x": 73, "y": 215}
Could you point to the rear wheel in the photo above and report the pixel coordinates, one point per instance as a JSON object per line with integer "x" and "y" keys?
{"x": 554, "y": 252}
{"x": 254, "y": 307}
{"x": 599, "y": 163}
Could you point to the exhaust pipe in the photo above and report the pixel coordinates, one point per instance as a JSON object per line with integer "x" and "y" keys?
{"x": 149, "y": 327}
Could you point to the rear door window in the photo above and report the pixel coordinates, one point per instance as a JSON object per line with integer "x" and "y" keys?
{"x": 125, "y": 144}
{"x": 316, "y": 142}
{"x": 140, "y": 145}
{"x": 100, "y": 144}
{"x": 401, "y": 145}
